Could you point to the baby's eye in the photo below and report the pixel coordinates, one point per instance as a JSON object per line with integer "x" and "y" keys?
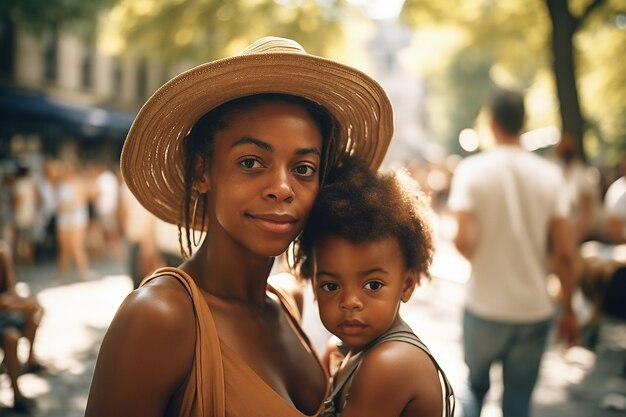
{"x": 329, "y": 286}
{"x": 305, "y": 170}
{"x": 374, "y": 285}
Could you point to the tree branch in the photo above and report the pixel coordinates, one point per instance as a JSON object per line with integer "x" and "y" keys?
{"x": 590, "y": 8}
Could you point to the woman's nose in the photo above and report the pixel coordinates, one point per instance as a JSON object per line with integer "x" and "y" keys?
{"x": 280, "y": 188}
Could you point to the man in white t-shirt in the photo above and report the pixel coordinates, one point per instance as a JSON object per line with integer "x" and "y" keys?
{"x": 511, "y": 214}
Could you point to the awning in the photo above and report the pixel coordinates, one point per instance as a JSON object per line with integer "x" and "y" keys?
{"x": 28, "y": 112}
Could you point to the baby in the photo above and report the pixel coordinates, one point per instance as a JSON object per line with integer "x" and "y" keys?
{"x": 366, "y": 245}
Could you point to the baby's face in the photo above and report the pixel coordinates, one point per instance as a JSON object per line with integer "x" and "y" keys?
{"x": 359, "y": 287}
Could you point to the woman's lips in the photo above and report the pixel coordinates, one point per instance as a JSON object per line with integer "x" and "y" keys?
{"x": 275, "y": 223}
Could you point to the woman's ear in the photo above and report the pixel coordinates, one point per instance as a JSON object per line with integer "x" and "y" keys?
{"x": 202, "y": 180}
{"x": 410, "y": 281}
{"x": 203, "y": 183}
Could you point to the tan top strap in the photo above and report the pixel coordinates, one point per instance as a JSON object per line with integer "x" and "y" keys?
{"x": 204, "y": 391}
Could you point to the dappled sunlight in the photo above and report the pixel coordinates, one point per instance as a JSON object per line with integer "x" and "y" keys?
{"x": 76, "y": 317}
{"x": 72, "y": 312}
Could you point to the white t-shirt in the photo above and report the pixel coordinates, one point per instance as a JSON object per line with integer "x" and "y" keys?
{"x": 25, "y": 193}
{"x": 615, "y": 201}
{"x": 108, "y": 193}
{"x": 514, "y": 195}
{"x": 615, "y": 198}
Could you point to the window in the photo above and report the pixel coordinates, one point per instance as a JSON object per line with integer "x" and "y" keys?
{"x": 86, "y": 65}
{"x": 50, "y": 43}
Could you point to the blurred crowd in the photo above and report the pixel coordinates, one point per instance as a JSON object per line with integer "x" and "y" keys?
{"x": 76, "y": 212}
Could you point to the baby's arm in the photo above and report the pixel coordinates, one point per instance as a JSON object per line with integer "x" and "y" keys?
{"x": 394, "y": 379}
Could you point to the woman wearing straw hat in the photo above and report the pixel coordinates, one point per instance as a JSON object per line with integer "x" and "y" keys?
{"x": 236, "y": 148}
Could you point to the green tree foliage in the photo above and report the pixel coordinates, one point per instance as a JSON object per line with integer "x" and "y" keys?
{"x": 511, "y": 43}
{"x": 38, "y": 15}
{"x": 201, "y": 30}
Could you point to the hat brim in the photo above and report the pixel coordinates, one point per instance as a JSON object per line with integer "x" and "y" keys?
{"x": 151, "y": 162}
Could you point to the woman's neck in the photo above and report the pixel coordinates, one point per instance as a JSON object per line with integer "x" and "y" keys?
{"x": 229, "y": 271}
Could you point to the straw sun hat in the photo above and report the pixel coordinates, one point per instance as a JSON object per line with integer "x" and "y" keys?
{"x": 152, "y": 157}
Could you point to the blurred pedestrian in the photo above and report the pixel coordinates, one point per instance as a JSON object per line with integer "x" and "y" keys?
{"x": 152, "y": 243}
{"x": 582, "y": 187}
{"x": 47, "y": 221}
{"x": 615, "y": 206}
{"x": 7, "y": 224}
{"x": 106, "y": 193}
{"x": 236, "y": 148}
{"x": 511, "y": 216}
{"x": 136, "y": 224}
{"x": 72, "y": 220}
{"x": 19, "y": 317}
{"x": 367, "y": 243}
{"x": 26, "y": 203}
{"x": 27, "y": 307}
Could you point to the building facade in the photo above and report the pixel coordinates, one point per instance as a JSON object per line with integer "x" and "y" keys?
{"x": 62, "y": 96}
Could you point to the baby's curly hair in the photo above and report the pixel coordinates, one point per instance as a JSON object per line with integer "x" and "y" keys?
{"x": 360, "y": 205}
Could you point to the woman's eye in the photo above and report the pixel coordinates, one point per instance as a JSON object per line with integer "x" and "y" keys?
{"x": 329, "y": 287}
{"x": 374, "y": 285}
{"x": 250, "y": 163}
{"x": 305, "y": 170}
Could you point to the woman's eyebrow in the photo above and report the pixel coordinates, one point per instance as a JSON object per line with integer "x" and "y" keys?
{"x": 250, "y": 140}
{"x": 269, "y": 148}
{"x": 308, "y": 151}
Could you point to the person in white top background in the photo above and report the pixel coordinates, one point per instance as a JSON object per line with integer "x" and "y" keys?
{"x": 508, "y": 205}
{"x": 26, "y": 202}
{"x": 615, "y": 206}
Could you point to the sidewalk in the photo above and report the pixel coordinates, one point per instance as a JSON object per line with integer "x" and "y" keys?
{"x": 571, "y": 384}
{"x": 76, "y": 317}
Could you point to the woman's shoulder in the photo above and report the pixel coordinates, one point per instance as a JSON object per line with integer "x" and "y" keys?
{"x": 163, "y": 298}
{"x": 161, "y": 309}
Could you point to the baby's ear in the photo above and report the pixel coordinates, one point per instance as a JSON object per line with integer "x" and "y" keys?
{"x": 410, "y": 281}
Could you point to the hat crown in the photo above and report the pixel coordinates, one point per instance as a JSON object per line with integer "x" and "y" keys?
{"x": 273, "y": 45}
{"x": 153, "y": 160}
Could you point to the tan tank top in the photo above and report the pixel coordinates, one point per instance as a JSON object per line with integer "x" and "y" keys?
{"x": 220, "y": 383}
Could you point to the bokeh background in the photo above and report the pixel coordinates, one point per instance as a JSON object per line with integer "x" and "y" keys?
{"x": 74, "y": 73}
{"x": 438, "y": 59}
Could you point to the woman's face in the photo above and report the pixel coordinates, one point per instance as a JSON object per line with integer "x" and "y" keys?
{"x": 264, "y": 176}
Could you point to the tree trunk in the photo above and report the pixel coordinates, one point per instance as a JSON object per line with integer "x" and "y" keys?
{"x": 563, "y": 28}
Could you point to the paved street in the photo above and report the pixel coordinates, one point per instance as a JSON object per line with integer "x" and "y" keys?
{"x": 572, "y": 383}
